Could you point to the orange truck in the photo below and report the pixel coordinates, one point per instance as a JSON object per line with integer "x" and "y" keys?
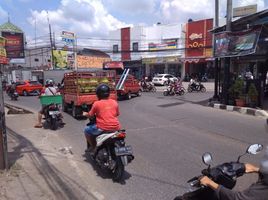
{"x": 79, "y": 89}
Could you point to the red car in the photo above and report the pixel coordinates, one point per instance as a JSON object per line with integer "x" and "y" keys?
{"x": 26, "y": 88}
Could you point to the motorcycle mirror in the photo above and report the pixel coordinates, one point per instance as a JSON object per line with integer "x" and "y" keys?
{"x": 207, "y": 159}
{"x": 254, "y": 149}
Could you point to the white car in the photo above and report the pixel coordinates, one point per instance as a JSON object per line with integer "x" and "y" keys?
{"x": 162, "y": 79}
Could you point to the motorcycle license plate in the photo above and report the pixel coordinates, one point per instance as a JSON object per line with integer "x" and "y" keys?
{"x": 120, "y": 151}
{"x": 54, "y": 112}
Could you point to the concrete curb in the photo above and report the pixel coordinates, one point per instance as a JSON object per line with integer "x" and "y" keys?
{"x": 242, "y": 110}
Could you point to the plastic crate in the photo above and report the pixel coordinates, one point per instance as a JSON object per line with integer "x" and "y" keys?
{"x": 49, "y": 99}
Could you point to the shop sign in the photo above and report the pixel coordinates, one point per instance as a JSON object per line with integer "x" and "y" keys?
{"x": 229, "y": 44}
{"x": 198, "y": 38}
{"x": 91, "y": 61}
{"x": 165, "y": 44}
{"x": 245, "y": 10}
{"x": 113, "y": 65}
{"x": 14, "y": 44}
{"x": 161, "y": 60}
{"x": 68, "y": 37}
{"x": 3, "y": 52}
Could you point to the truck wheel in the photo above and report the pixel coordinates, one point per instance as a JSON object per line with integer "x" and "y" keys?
{"x": 25, "y": 93}
{"x": 139, "y": 93}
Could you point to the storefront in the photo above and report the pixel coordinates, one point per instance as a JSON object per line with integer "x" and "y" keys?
{"x": 137, "y": 69}
{"x": 198, "y": 53}
{"x": 163, "y": 65}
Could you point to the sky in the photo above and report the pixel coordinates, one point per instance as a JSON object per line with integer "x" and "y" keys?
{"x": 91, "y": 20}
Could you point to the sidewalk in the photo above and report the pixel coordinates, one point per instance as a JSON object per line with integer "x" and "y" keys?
{"x": 40, "y": 168}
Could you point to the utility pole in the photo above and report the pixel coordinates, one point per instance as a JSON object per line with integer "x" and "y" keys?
{"x": 227, "y": 60}
{"x": 216, "y": 64}
{"x": 3, "y": 135}
{"x": 51, "y": 42}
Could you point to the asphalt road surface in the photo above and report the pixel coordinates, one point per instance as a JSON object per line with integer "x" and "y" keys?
{"x": 168, "y": 136}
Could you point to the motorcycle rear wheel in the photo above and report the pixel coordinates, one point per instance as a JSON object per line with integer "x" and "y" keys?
{"x": 203, "y": 89}
{"x": 53, "y": 124}
{"x": 119, "y": 170}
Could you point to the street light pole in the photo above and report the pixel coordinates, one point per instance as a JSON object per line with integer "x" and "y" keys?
{"x": 216, "y": 60}
{"x": 227, "y": 59}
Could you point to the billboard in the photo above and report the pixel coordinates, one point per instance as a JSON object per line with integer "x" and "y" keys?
{"x": 236, "y": 44}
{"x": 60, "y": 59}
{"x": 198, "y": 41}
{"x": 244, "y": 10}
{"x": 14, "y": 44}
{"x": 3, "y": 54}
{"x": 91, "y": 61}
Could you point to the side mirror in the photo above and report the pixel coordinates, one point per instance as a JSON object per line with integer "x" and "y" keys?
{"x": 254, "y": 148}
{"x": 207, "y": 159}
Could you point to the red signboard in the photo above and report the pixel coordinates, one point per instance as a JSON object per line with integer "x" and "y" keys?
{"x": 113, "y": 65}
{"x": 14, "y": 44}
{"x": 125, "y": 43}
{"x": 198, "y": 40}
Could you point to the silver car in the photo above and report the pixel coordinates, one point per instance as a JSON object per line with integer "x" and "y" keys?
{"x": 162, "y": 79}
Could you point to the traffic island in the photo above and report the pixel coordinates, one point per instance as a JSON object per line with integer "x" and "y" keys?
{"x": 242, "y": 110}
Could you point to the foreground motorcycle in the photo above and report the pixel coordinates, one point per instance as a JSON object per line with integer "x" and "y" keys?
{"x": 196, "y": 87}
{"x": 224, "y": 174}
{"x": 53, "y": 117}
{"x": 112, "y": 153}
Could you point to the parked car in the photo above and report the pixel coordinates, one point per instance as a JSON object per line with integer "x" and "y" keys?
{"x": 26, "y": 88}
{"x": 162, "y": 79}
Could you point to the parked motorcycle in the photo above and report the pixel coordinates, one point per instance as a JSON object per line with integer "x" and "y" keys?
{"x": 196, "y": 87}
{"x": 112, "y": 153}
{"x": 53, "y": 117}
{"x": 224, "y": 174}
{"x": 148, "y": 87}
{"x": 13, "y": 95}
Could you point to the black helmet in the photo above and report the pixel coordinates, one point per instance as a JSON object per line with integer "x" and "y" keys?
{"x": 103, "y": 91}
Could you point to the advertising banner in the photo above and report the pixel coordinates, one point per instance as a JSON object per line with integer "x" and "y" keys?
{"x": 14, "y": 44}
{"x": 236, "y": 44}
{"x": 198, "y": 41}
{"x": 60, "y": 59}
{"x": 91, "y": 61}
{"x": 3, "y": 54}
{"x": 166, "y": 44}
{"x": 68, "y": 37}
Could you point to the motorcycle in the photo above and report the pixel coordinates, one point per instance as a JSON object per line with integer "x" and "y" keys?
{"x": 177, "y": 89}
{"x": 53, "y": 117}
{"x": 224, "y": 174}
{"x": 13, "y": 95}
{"x": 196, "y": 87}
{"x": 112, "y": 153}
{"x": 148, "y": 87}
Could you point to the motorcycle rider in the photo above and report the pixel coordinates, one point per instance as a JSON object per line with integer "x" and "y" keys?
{"x": 257, "y": 191}
{"x": 193, "y": 82}
{"x": 12, "y": 88}
{"x": 48, "y": 90}
{"x": 106, "y": 111}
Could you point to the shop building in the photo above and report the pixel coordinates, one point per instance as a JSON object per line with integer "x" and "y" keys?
{"x": 149, "y": 50}
{"x": 198, "y": 59}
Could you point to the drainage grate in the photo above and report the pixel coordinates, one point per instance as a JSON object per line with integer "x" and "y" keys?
{"x": 170, "y": 104}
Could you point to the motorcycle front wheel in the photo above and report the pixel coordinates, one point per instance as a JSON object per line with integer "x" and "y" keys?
{"x": 203, "y": 89}
{"x": 119, "y": 170}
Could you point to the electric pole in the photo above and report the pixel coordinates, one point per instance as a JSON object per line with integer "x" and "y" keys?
{"x": 51, "y": 42}
{"x": 216, "y": 60}
{"x": 227, "y": 60}
{"x": 3, "y": 134}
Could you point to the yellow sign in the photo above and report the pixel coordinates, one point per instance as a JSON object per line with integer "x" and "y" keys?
{"x": 91, "y": 61}
{"x": 60, "y": 59}
{"x": 3, "y": 52}
{"x": 2, "y": 42}
{"x": 161, "y": 60}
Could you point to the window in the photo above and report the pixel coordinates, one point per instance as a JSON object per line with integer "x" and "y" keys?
{"x": 115, "y": 48}
{"x": 135, "y": 46}
{"x": 36, "y": 59}
{"x": 48, "y": 60}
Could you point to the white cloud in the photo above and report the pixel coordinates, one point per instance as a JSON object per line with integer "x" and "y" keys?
{"x": 87, "y": 18}
{"x": 132, "y": 7}
{"x": 3, "y": 13}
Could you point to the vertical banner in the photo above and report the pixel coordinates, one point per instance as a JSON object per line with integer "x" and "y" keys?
{"x": 3, "y": 54}
{"x": 14, "y": 44}
{"x": 60, "y": 59}
{"x": 125, "y": 43}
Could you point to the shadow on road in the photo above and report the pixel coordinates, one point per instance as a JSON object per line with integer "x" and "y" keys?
{"x": 58, "y": 183}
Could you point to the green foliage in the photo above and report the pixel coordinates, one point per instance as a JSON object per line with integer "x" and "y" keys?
{"x": 252, "y": 92}
{"x": 236, "y": 90}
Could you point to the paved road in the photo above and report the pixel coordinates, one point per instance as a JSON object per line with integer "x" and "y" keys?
{"x": 168, "y": 135}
